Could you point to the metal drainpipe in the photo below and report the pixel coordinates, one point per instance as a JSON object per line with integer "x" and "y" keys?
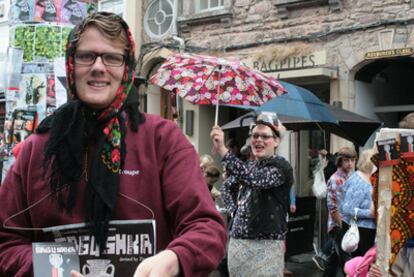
{"x": 181, "y": 42}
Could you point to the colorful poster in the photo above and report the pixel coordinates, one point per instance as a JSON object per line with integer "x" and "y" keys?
{"x": 47, "y": 10}
{"x": 37, "y": 68}
{"x": 48, "y": 43}
{"x": 51, "y": 259}
{"x": 129, "y": 242}
{"x": 50, "y": 94}
{"x": 23, "y": 37}
{"x": 8, "y": 130}
{"x": 407, "y": 145}
{"x": 32, "y": 93}
{"x": 73, "y": 11}
{"x": 13, "y": 67}
{"x": 60, "y": 81}
{"x": 388, "y": 153}
{"x": 24, "y": 122}
{"x": 21, "y": 11}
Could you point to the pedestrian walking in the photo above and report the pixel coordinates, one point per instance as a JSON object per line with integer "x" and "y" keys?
{"x": 345, "y": 163}
{"x": 358, "y": 204}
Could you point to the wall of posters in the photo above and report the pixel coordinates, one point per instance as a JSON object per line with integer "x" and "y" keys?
{"x": 38, "y": 35}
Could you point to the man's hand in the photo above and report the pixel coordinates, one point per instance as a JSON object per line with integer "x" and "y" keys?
{"x": 74, "y": 273}
{"x": 164, "y": 264}
{"x": 292, "y": 208}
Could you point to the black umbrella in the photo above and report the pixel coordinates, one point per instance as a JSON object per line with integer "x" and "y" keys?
{"x": 349, "y": 125}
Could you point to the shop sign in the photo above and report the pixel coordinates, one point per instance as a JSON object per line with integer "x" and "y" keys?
{"x": 408, "y": 51}
{"x": 288, "y": 63}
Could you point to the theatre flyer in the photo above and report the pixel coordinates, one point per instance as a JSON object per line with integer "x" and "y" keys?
{"x": 54, "y": 259}
{"x": 129, "y": 242}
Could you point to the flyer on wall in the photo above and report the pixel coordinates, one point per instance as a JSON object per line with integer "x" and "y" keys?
{"x": 129, "y": 242}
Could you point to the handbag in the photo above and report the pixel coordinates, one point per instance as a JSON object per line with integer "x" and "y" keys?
{"x": 319, "y": 187}
{"x": 350, "y": 240}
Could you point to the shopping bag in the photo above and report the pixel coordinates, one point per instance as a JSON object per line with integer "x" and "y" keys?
{"x": 350, "y": 240}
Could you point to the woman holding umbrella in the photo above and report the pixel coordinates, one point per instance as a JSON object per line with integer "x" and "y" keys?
{"x": 261, "y": 187}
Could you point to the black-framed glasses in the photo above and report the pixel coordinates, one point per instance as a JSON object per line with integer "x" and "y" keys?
{"x": 262, "y": 136}
{"x": 108, "y": 59}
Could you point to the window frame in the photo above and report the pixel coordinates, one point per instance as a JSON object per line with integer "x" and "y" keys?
{"x": 123, "y": 4}
{"x": 209, "y": 8}
{"x": 190, "y": 14}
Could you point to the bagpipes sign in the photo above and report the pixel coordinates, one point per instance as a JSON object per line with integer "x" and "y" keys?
{"x": 129, "y": 242}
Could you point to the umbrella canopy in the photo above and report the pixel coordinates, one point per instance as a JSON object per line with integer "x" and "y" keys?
{"x": 297, "y": 103}
{"x": 348, "y": 125}
{"x": 209, "y": 80}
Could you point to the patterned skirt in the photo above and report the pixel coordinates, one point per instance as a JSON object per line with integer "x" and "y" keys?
{"x": 247, "y": 258}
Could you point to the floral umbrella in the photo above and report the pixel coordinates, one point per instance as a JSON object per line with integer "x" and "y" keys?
{"x": 209, "y": 80}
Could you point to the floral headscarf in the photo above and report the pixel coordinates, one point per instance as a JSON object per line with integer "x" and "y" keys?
{"x": 111, "y": 155}
{"x": 75, "y": 130}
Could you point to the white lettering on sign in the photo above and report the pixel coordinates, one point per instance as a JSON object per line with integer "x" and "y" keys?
{"x": 288, "y": 63}
{"x": 118, "y": 244}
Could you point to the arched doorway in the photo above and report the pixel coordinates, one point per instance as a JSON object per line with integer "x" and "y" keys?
{"x": 384, "y": 90}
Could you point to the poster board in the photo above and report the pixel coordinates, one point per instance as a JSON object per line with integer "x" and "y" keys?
{"x": 394, "y": 192}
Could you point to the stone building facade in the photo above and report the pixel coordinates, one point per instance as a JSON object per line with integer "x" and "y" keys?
{"x": 356, "y": 54}
{"x": 334, "y": 48}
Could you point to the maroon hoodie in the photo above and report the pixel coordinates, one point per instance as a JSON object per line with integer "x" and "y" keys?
{"x": 161, "y": 171}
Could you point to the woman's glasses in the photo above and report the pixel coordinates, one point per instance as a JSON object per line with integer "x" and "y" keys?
{"x": 262, "y": 136}
{"x": 108, "y": 59}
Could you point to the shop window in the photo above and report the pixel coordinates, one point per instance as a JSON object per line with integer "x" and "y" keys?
{"x": 114, "y": 6}
{"x": 204, "y": 12}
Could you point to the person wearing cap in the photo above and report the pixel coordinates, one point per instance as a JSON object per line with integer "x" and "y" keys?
{"x": 258, "y": 193}
{"x": 98, "y": 160}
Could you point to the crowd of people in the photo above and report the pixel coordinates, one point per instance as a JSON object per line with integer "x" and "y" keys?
{"x": 98, "y": 159}
{"x": 350, "y": 198}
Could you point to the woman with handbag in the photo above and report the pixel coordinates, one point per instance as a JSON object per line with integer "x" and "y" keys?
{"x": 358, "y": 205}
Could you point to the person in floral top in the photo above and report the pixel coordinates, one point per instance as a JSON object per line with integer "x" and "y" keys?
{"x": 345, "y": 163}
{"x": 256, "y": 193}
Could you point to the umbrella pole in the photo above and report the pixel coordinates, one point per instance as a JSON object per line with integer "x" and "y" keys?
{"x": 323, "y": 132}
{"x": 177, "y": 106}
{"x": 218, "y": 96}
{"x": 216, "y": 116}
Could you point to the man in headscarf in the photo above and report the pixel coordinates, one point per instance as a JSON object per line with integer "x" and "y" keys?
{"x": 97, "y": 158}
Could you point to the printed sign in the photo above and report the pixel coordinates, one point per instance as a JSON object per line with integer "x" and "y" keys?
{"x": 388, "y": 154}
{"x": 389, "y": 53}
{"x": 407, "y": 145}
{"x": 129, "y": 242}
{"x": 51, "y": 259}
